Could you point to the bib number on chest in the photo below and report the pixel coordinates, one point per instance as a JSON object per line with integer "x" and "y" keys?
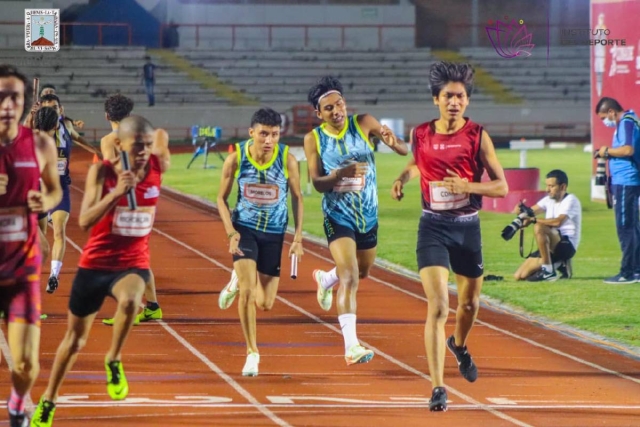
{"x": 262, "y": 194}
{"x": 346, "y": 185}
{"x": 130, "y": 223}
{"x": 14, "y": 224}
{"x": 62, "y": 166}
{"x": 442, "y": 199}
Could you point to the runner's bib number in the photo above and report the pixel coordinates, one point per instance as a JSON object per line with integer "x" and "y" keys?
{"x": 14, "y": 224}
{"x": 262, "y": 194}
{"x": 346, "y": 185}
{"x": 442, "y": 199}
{"x": 62, "y": 166}
{"x": 130, "y": 223}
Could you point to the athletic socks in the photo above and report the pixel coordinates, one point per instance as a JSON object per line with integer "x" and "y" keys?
{"x": 548, "y": 268}
{"x": 16, "y": 403}
{"x": 153, "y": 305}
{"x": 329, "y": 279}
{"x": 56, "y": 266}
{"x": 348, "y": 326}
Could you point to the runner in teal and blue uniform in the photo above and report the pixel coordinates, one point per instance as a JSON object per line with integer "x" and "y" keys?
{"x": 341, "y": 162}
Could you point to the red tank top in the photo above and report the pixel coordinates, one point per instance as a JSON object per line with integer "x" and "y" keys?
{"x": 19, "y": 238}
{"x": 120, "y": 240}
{"x": 435, "y": 153}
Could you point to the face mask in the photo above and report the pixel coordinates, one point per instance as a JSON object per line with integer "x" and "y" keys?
{"x": 609, "y": 123}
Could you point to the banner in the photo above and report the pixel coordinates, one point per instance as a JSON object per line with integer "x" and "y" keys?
{"x": 615, "y": 65}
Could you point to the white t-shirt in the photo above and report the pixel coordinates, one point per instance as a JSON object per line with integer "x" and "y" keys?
{"x": 569, "y": 206}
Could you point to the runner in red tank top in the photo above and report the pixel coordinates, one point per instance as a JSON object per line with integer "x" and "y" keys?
{"x": 115, "y": 261}
{"x": 26, "y": 156}
{"x": 450, "y": 155}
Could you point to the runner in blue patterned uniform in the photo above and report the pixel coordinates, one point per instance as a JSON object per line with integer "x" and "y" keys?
{"x": 265, "y": 172}
{"x": 341, "y": 163}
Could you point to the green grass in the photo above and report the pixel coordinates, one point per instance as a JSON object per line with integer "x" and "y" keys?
{"x": 583, "y": 302}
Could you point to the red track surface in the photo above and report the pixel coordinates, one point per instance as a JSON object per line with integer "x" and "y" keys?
{"x": 185, "y": 371}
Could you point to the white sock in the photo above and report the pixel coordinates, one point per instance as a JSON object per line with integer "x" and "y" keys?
{"x": 548, "y": 268}
{"x": 348, "y": 326}
{"x": 56, "y": 266}
{"x": 329, "y": 279}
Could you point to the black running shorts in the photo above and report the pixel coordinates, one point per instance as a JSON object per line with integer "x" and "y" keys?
{"x": 364, "y": 241}
{"x": 563, "y": 251}
{"x": 450, "y": 242}
{"x": 264, "y": 248}
{"x": 91, "y": 287}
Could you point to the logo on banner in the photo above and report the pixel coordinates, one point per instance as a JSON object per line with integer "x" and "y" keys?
{"x": 42, "y": 30}
{"x": 510, "y": 39}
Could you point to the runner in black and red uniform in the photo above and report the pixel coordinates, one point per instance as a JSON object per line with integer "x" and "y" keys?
{"x": 450, "y": 155}
{"x": 26, "y": 157}
{"x": 115, "y": 261}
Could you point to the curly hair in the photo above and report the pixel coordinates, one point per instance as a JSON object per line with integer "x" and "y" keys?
{"x": 444, "y": 72}
{"x": 267, "y": 117}
{"x": 45, "y": 119}
{"x": 322, "y": 86}
{"x": 118, "y": 107}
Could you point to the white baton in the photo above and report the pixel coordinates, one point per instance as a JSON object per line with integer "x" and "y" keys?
{"x": 294, "y": 266}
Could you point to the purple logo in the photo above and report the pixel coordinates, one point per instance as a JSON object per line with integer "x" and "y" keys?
{"x": 510, "y": 39}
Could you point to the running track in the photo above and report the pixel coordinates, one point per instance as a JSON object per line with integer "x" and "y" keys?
{"x": 185, "y": 370}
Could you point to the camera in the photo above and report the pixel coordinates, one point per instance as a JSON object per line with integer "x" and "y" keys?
{"x": 525, "y": 213}
{"x": 601, "y": 171}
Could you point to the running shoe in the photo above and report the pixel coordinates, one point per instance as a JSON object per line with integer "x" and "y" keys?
{"x": 466, "y": 366}
{"x": 325, "y": 296}
{"x": 358, "y": 354}
{"x": 117, "y": 385}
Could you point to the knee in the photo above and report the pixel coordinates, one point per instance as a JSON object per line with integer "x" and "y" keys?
{"x": 27, "y": 368}
{"x": 129, "y": 303}
{"x": 539, "y": 229}
{"x": 247, "y": 296}
{"x": 74, "y": 342}
{"x": 349, "y": 278}
{"x": 469, "y": 306}
{"x": 266, "y": 305}
{"x": 59, "y": 233}
{"x": 438, "y": 308}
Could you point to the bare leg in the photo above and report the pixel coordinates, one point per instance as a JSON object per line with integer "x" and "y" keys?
{"x": 128, "y": 293}
{"x": 247, "y": 284}
{"x": 434, "y": 282}
{"x": 468, "y": 306}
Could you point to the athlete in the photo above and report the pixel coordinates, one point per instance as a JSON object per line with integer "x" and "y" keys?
{"x": 114, "y": 262}
{"x": 26, "y": 158}
{"x": 449, "y": 155}
{"x": 116, "y": 108}
{"x": 342, "y": 166}
{"x": 265, "y": 172}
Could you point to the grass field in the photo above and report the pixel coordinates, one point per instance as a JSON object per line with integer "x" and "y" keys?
{"x": 583, "y": 302}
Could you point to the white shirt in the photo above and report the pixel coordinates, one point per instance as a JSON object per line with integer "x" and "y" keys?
{"x": 569, "y": 206}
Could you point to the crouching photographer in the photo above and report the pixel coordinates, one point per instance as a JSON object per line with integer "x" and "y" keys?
{"x": 557, "y": 235}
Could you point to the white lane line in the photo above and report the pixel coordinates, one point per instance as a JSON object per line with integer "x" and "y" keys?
{"x": 478, "y": 322}
{"x": 333, "y": 328}
{"x": 244, "y": 393}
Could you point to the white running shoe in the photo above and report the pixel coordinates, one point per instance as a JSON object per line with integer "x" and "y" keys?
{"x": 228, "y": 294}
{"x": 251, "y": 365}
{"x": 325, "y": 296}
{"x": 358, "y": 354}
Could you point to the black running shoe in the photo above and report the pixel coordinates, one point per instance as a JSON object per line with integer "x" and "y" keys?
{"x": 52, "y": 284}
{"x": 467, "y": 368}
{"x": 438, "y": 402}
{"x": 19, "y": 420}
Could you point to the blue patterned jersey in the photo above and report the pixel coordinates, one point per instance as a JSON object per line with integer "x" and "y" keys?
{"x": 63, "y": 146}
{"x": 353, "y": 202}
{"x": 262, "y": 190}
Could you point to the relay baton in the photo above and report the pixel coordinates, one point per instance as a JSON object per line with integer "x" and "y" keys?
{"x": 36, "y": 89}
{"x": 131, "y": 195}
{"x": 294, "y": 266}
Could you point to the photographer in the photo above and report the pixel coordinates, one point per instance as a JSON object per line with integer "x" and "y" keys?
{"x": 557, "y": 235}
{"x": 624, "y": 162}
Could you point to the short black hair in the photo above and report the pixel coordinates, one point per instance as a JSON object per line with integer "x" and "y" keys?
{"x": 605, "y": 104}
{"x": 322, "y": 86}
{"x": 560, "y": 176}
{"x": 51, "y": 97}
{"x": 46, "y": 86}
{"x": 118, "y": 107}
{"x": 444, "y": 72}
{"x": 45, "y": 119}
{"x": 6, "y": 71}
{"x": 266, "y": 116}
